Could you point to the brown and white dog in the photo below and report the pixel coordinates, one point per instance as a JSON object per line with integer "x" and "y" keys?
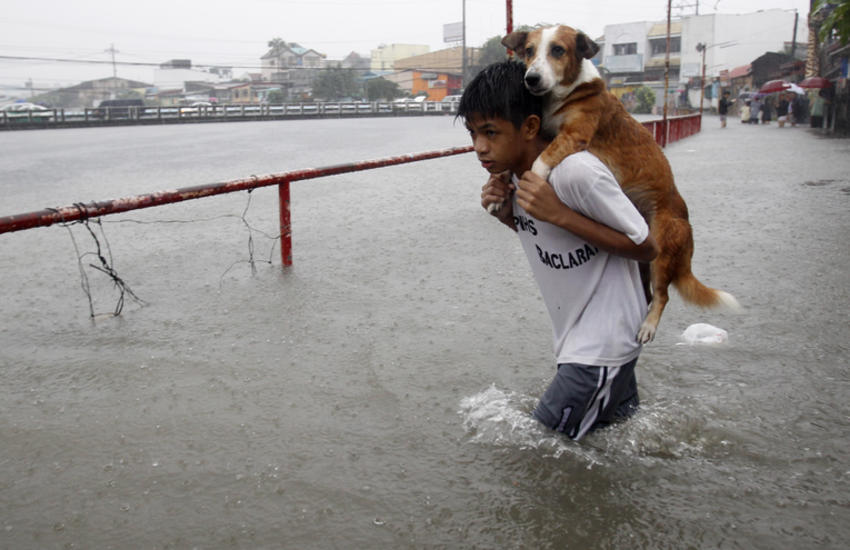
{"x": 582, "y": 114}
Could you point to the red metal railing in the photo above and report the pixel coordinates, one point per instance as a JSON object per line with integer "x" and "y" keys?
{"x": 677, "y": 128}
{"x": 81, "y": 211}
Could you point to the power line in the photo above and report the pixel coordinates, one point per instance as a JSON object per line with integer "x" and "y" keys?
{"x": 202, "y": 65}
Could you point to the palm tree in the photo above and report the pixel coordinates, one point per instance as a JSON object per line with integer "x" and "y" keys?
{"x": 277, "y": 44}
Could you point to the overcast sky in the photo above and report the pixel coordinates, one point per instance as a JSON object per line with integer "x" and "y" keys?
{"x": 236, "y": 33}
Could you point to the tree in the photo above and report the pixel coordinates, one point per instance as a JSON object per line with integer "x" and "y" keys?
{"x": 276, "y": 44}
{"x": 492, "y": 51}
{"x": 276, "y": 96}
{"x": 335, "y": 83}
{"x": 645, "y": 99}
{"x": 381, "y": 88}
{"x": 836, "y": 18}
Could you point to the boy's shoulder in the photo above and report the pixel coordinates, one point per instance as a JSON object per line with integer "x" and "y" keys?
{"x": 580, "y": 167}
{"x": 580, "y": 175}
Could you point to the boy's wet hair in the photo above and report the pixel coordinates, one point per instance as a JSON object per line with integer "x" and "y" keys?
{"x": 499, "y": 91}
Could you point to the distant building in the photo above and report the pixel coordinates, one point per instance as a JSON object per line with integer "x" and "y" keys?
{"x": 355, "y": 61}
{"x": 436, "y": 74}
{"x": 384, "y": 56}
{"x": 830, "y": 59}
{"x": 634, "y": 54}
{"x": 292, "y": 66}
{"x": 251, "y": 92}
{"x": 176, "y": 64}
{"x": 92, "y": 92}
{"x": 174, "y": 74}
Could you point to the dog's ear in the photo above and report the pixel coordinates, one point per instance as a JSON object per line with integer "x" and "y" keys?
{"x": 515, "y": 41}
{"x": 585, "y": 47}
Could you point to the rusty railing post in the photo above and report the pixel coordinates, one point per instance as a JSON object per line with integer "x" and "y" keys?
{"x": 285, "y": 224}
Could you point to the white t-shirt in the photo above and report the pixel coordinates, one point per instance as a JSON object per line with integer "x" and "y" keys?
{"x": 595, "y": 299}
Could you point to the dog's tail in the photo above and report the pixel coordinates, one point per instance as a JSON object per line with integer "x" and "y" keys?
{"x": 698, "y": 294}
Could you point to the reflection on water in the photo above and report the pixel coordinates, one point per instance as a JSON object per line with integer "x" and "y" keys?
{"x": 377, "y": 394}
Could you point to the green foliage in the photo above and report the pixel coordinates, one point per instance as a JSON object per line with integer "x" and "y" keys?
{"x": 276, "y": 44}
{"x": 645, "y": 100}
{"x": 381, "y": 88}
{"x": 837, "y": 19}
{"x": 129, "y": 94}
{"x": 335, "y": 83}
{"x": 492, "y": 52}
{"x": 276, "y": 97}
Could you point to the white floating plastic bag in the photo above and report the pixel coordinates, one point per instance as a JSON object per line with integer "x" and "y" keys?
{"x": 703, "y": 333}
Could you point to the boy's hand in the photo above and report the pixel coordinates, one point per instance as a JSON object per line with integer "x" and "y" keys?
{"x": 498, "y": 190}
{"x": 538, "y": 198}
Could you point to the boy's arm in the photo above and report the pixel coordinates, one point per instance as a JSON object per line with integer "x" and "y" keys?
{"x": 539, "y": 199}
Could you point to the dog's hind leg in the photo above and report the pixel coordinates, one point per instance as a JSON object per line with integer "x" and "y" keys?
{"x": 675, "y": 247}
{"x": 660, "y": 297}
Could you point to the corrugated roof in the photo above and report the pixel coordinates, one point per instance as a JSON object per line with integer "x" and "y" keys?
{"x": 738, "y": 72}
{"x": 448, "y": 60}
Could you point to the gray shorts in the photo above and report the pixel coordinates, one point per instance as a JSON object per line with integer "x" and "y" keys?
{"x": 582, "y": 398}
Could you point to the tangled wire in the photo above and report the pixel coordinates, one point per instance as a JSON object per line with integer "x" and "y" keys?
{"x": 105, "y": 262}
{"x": 106, "y": 265}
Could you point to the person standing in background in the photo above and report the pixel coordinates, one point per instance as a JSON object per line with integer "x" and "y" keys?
{"x": 767, "y": 110}
{"x": 755, "y": 110}
{"x": 723, "y": 107}
{"x": 782, "y": 111}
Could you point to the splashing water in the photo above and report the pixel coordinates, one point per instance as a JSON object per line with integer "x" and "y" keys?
{"x": 503, "y": 419}
{"x": 659, "y": 431}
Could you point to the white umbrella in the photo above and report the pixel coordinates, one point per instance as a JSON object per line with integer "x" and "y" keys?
{"x": 794, "y": 88}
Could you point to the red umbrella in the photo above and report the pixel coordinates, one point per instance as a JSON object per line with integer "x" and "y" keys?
{"x": 815, "y": 82}
{"x": 774, "y": 86}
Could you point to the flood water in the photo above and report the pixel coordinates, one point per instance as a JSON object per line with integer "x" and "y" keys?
{"x": 377, "y": 393}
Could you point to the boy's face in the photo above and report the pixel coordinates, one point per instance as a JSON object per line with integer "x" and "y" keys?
{"x": 497, "y": 142}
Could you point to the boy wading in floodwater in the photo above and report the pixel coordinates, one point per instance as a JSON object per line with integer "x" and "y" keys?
{"x": 583, "y": 238}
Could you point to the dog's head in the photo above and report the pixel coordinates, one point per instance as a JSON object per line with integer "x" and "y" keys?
{"x": 554, "y": 56}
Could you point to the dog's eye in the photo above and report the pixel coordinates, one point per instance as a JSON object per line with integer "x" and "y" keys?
{"x": 529, "y": 51}
{"x": 558, "y": 51}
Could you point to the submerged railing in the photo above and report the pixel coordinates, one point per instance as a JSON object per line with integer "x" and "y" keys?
{"x": 82, "y": 211}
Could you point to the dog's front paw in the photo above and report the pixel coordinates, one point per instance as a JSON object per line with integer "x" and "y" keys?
{"x": 494, "y": 207}
{"x": 646, "y": 333}
{"x": 541, "y": 169}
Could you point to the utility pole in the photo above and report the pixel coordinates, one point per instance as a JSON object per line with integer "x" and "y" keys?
{"x": 666, "y": 76}
{"x": 701, "y": 47}
{"x": 681, "y": 6}
{"x": 113, "y": 51}
{"x": 463, "y": 53}
{"x": 794, "y": 38}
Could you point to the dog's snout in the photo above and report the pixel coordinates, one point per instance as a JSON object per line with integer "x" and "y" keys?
{"x": 532, "y": 79}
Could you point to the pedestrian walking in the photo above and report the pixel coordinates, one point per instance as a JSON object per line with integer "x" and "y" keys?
{"x": 723, "y": 107}
{"x": 596, "y": 310}
{"x": 798, "y": 110}
{"x": 767, "y": 110}
{"x": 782, "y": 111}
{"x": 755, "y": 110}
